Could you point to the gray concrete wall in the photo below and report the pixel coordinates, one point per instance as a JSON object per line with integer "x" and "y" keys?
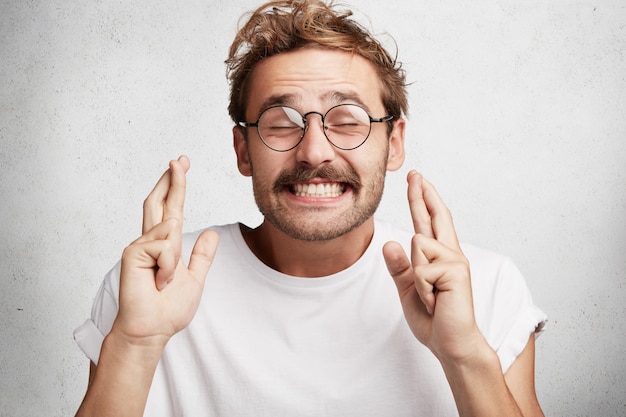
{"x": 517, "y": 115}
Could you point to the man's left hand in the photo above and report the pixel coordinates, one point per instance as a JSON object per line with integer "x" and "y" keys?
{"x": 434, "y": 286}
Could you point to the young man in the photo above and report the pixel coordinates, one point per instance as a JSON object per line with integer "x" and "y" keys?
{"x": 299, "y": 316}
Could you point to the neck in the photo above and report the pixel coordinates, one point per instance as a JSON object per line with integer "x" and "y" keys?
{"x": 305, "y": 258}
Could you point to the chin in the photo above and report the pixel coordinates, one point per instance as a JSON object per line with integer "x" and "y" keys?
{"x": 324, "y": 229}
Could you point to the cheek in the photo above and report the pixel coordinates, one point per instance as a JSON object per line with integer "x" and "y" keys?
{"x": 265, "y": 168}
{"x": 368, "y": 161}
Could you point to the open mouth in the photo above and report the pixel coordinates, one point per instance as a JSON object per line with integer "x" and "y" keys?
{"x": 320, "y": 190}
{"x": 324, "y": 182}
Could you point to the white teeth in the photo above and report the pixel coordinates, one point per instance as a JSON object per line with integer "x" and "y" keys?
{"x": 318, "y": 190}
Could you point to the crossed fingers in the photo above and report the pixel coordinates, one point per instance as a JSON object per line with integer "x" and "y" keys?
{"x": 437, "y": 262}
{"x": 167, "y": 198}
{"x": 163, "y": 220}
{"x": 431, "y": 217}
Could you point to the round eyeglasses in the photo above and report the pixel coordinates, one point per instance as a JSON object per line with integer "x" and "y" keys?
{"x": 346, "y": 126}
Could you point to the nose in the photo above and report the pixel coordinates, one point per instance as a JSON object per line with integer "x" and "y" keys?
{"x": 314, "y": 149}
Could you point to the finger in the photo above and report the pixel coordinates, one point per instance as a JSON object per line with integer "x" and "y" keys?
{"x": 404, "y": 276}
{"x": 398, "y": 265}
{"x": 442, "y": 276}
{"x": 427, "y": 250}
{"x": 152, "y": 254}
{"x": 167, "y": 261}
{"x": 203, "y": 254}
{"x": 161, "y": 231}
{"x": 418, "y": 257}
{"x": 428, "y": 254}
{"x": 441, "y": 218}
{"x": 153, "y": 207}
{"x": 175, "y": 200}
{"x": 158, "y": 249}
{"x": 441, "y": 261}
{"x": 174, "y": 204}
{"x": 153, "y": 204}
{"x": 419, "y": 211}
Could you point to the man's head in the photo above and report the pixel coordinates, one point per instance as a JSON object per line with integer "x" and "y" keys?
{"x": 318, "y": 108}
{"x": 283, "y": 26}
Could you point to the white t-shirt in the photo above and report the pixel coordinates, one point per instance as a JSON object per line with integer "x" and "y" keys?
{"x": 267, "y": 344}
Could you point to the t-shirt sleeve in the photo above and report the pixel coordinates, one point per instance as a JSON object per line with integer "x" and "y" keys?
{"x": 504, "y": 308}
{"x": 525, "y": 317}
{"x": 90, "y": 335}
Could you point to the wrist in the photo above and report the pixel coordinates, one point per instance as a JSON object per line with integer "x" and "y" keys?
{"x": 478, "y": 384}
{"x": 139, "y": 351}
{"x": 124, "y": 371}
{"x": 139, "y": 335}
{"x": 468, "y": 348}
{"x": 480, "y": 359}
{"x": 471, "y": 359}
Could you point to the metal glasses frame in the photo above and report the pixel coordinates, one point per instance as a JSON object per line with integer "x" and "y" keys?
{"x": 384, "y": 119}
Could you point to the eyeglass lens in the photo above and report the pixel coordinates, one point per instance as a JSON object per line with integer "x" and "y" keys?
{"x": 346, "y": 126}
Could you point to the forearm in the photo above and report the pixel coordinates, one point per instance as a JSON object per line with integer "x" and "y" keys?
{"x": 122, "y": 379}
{"x": 479, "y": 387}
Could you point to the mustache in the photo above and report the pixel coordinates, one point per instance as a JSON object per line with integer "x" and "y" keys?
{"x": 303, "y": 174}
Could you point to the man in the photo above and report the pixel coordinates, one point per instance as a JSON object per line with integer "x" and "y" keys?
{"x": 298, "y": 316}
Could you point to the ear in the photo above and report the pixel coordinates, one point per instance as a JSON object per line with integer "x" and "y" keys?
{"x": 241, "y": 150}
{"x": 395, "y": 159}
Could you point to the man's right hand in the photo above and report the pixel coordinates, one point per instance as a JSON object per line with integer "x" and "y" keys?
{"x": 159, "y": 294}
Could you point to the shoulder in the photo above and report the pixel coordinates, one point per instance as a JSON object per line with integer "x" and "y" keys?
{"x": 492, "y": 273}
{"x": 485, "y": 261}
{"x": 480, "y": 258}
{"x": 229, "y": 237}
{"x": 385, "y": 231}
{"x": 222, "y": 230}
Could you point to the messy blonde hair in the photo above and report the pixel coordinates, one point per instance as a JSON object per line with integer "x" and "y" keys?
{"x": 282, "y": 26}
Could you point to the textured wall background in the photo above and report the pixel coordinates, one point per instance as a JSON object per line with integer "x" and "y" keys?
{"x": 517, "y": 115}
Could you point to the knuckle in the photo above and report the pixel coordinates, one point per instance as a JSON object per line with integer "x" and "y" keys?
{"x": 129, "y": 252}
{"x": 461, "y": 260}
{"x": 460, "y": 270}
{"x": 166, "y": 246}
{"x": 418, "y": 239}
{"x": 148, "y": 201}
{"x": 399, "y": 270}
{"x": 423, "y": 286}
{"x": 413, "y": 199}
{"x": 423, "y": 223}
{"x": 153, "y": 199}
{"x": 421, "y": 215}
{"x": 172, "y": 206}
{"x": 418, "y": 271}
{"x": 173, "y": 224}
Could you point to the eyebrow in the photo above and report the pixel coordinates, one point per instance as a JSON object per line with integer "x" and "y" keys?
{"x": 278, "y": 100}
{"x": 332, "y": 97}
{"x": 340, "y": 97}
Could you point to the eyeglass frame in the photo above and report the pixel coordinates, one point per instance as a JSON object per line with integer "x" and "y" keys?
{"x": 383, "y": 119}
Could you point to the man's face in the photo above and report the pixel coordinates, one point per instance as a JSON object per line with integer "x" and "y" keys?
{"x": 316, "y": 191}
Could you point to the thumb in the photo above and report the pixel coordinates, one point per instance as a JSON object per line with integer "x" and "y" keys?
{"x": 398, "y": 266}
{"x": 401, "y": 270}
{"x": 203, "y": 254}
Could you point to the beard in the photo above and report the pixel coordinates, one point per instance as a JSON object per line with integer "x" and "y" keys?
{"x": 317, "y": 223}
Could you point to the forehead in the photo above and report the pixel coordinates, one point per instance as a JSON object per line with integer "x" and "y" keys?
{"x": 314, "y": 79}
